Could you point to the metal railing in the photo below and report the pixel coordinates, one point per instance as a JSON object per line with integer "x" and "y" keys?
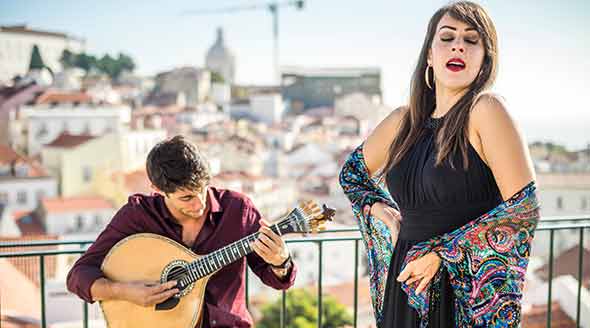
{"x": 551, "y": 224}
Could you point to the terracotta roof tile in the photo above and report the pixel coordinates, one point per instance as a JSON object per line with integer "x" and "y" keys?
{"x": 134, "y": 182}
{"x": 53, "y": 96}
{"x": 64, "y": 205}
{"x": 344, "y": 292}
{"x": 20, "y": 296}
{"x": 66, "y": 140}
{"x": 567, "y": 263}
{"x": 10, "y": 321}
{"x": 29, "y": 266}
{"x": 9, "y": 156}
{"x": 29, "y": 224}
{"x": 536, "y": 317}
{"x": 25, "y": 30}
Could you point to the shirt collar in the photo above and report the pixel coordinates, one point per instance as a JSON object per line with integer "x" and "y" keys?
{"x": 213, "y": 200}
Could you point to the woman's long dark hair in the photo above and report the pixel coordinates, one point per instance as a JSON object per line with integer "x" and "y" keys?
{"x": 452, "y": 137}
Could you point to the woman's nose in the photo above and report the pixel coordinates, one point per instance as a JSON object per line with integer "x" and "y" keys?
{"x": 459, "y": 47}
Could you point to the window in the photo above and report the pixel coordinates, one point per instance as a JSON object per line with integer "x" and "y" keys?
{"x": 79, "y": 223}
{"x": 86, "y": 128}
{"x": 5, "y": 170}
{"x": 21, "y": 197}
{"x": 86, "y": 174}
{"x": 559, "y": 203}
{"x": 3, "y": 197}
{"x": 39, "y": 195}
{"x": 21, "y": 170}
{"x": 42, "y": 132}
{"x": 97, "y": 220}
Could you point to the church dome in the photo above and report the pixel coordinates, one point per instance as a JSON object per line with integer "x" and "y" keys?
{"x": 220, "y": 58}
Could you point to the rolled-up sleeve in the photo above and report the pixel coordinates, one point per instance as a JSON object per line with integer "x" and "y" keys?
{"x": 88, "y": 267}
{"x": 262, "y": 269}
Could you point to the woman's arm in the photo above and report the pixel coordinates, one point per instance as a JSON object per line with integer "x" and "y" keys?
{"x": 376, "y": 147}
{"x": 503, "y": 147}
{"x": 376, "y": 153}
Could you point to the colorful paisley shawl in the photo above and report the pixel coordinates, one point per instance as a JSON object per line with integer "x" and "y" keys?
{"x": 486, "y": 259}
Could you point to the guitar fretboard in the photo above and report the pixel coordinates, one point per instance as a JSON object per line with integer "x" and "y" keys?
{"x": 220, "y": 258}
{"x": 296, "y": 221}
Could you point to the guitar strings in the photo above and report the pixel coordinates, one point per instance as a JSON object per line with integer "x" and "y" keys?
{"x": 212, "y": 254}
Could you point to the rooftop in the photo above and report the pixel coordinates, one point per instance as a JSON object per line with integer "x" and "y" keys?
{"x": 73, "y": 204}
{"x": 330, "y": 71}
{"x": 24, "y": 29}
{"x": 19, "y": 166}
{"x": 66, "y": 140}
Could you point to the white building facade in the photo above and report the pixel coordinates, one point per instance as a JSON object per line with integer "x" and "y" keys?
{"x": 24, "y": 194}
{"x": 268, "y": 108}
{"x": 61, "y": 216}
{"x": 45, "y": 123}
{"x": 16, "y": 45}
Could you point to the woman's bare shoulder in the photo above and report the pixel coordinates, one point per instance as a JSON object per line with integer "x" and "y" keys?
{"x": 376, "y": 148}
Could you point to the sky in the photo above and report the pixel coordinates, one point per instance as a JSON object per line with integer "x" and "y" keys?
{"x": 544, "y": 46}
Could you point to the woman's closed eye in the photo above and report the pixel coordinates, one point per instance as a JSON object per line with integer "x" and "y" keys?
{"x": 468, "y": 40}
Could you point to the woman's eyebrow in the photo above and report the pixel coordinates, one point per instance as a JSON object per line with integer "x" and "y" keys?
{"x": 454, "y": 28}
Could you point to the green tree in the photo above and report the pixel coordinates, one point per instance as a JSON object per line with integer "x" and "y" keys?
{"x": 126, "y": 63}
{"x": 85, "y": 62}
{"x": 114, "y": 67}
{"x": 108, "y": 65}
{"x": 36, "y": 60}
{"x": 216, "y": 77}
{"x": 301, "y": 307}
{"x": 67, "y": 59}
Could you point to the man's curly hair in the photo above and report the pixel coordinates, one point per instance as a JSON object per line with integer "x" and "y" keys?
{"x": 176, "y": 164}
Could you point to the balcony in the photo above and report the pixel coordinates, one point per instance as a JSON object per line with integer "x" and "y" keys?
{"x": 546, "y": 308}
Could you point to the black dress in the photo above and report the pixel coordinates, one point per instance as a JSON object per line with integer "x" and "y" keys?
{"x": 432, "y": 201}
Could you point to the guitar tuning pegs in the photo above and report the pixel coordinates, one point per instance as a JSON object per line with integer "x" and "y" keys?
{"x": 328, "y": 212}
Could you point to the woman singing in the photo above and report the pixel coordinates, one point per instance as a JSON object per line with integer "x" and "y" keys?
{"x": 448, "y": 242}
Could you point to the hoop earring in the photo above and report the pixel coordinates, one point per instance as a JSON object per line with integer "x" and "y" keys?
{"x": 426, "y": 78}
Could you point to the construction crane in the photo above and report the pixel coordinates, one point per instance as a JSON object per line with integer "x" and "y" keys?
{"x": 272, "y": 7}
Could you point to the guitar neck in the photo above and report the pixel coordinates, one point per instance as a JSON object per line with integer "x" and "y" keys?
{"x": 227, "y": 255}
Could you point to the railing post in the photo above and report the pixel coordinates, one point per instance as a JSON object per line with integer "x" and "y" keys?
{"x": 85, "y": 311}
{"x": 42, "y": 287}
{"x": 550, "y": 280}
{"x": 580, "y": 277}
{"x": 284, "y": 309}
{"x": 84, "y": 304}
{"x": 320, "y": 246}
{"x": 247, "y": 284}
{"x": 356, "y": 281}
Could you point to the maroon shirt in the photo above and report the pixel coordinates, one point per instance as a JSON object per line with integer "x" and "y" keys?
{"x": 231, "y": 216}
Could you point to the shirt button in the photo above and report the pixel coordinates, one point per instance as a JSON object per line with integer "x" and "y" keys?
{"x": 214, "y": 322}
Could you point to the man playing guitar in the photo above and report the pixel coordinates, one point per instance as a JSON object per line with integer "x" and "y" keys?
{"x": 186, "y": 209}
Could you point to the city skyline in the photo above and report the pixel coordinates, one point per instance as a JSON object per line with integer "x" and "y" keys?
{"x": 542, "y": 54}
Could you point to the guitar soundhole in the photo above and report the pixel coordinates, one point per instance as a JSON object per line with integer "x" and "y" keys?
{"x": 176, "y": 270}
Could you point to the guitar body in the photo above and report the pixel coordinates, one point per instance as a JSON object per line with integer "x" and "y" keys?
{"x": 150, "y": 257}
{"x": 145, "y": 257}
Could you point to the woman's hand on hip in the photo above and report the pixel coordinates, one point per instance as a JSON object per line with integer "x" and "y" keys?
{"x": 421, "y": 270}
{"x": 390, "y": 216}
